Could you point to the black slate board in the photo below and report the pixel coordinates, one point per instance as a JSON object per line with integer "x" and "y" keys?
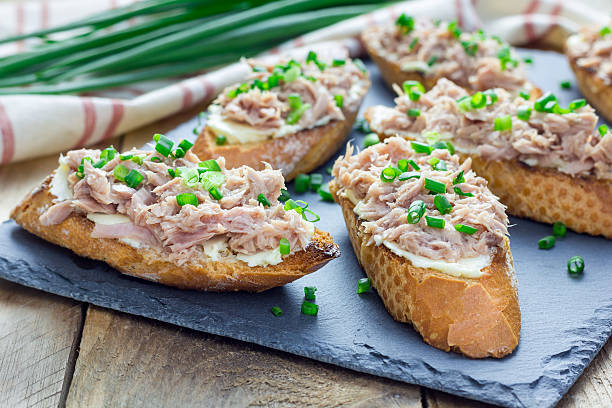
{"x": 565, "y": 320}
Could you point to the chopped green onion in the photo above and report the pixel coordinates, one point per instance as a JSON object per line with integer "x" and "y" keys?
{"x": 125, "y": 157}
{"x": 528, "y": 60}
{"x": 523, "y": 113}
{"x": 210, "y": 165}
{"x": 524, "y": 95}
{"x": 359, "y": 64}
{"x": 302, "y": 183}
{"x": 470, "y": 47}
{"x": 414, "y": 112}
{"x": 138, "y": 159}
{"x": 565, "y": 84}
{"x": 215, "y": 193}
{"x": 416, "y": 211}
{"x": 503, "y": 123}
{"x": 409, "y": 89}
{"x": 221, "y": 140}
{"x": 133, "y": 178}
{"x": 575, "y": 265}
{"x": 414, "y": 165}
{"x": 363, "y": 126}
{"x": 505, "y": 58}
{"x": 419, "y": 147}
{"x": 478, "y": 100}
{"x": 187, "y": 198}
{"x": 339, "y": 100}
{"x": 409, "y": 175}
{"x": 179, "y": 153}
{"x": 263, "y": 200}
{"x": 437, "y": 164}
{"x": 602, "y": 129}
{"x": 435, "y": 186}
{"x": 442, "y": 204}
{"x": 316, "y": 180}
{"x": 434, "y": 222}
{"x": 325, "y": 194}
{"x": 338, "y": 62}
{"x": 605, "y": 31}
{"x": 370, "y": 140}
{"x": 108, "y": 154}
{"x": 172, "y": 173}
{"x": 196, "y": 131}
{"x": 576, "y": 104}
{"x": 547, "y": 242}
{"x": 306, "y": 211}
{"x": 413, "y": 43}
{"x": 405, "y": 23}
{"x": 466, "y": 229}
{"x": 209, "y": 179}
{"x": 454, "y": 29}
{"x": 389, "y": 174}
{"x": 185, "y": 145}
{"x": 461, "y": 193}
{"x": 402, "y": 164}
{"x": 120, "y": 172}
{"x": 284, "y": 196}
{"x": 464, "y": 103}
{"x": 99, "y": 164}
{"x": 329, "y": 170}
{"x": 292, "y": 74}
{"x": 432, "y": 60}
{"x": 543, "y": 104}
{"x": 363, "y": 285}
{"x": 309, "y": 308}
{"x": 277, "y": 311}
{"x": 459, "y": 178}
{"x": 559, "y": 229}
{"x": 492, "y": 97}
{"x": 309, "y": 292}
{"x": 284, "y": 248}
{"x": 163, "y": 145}
{"x": 297, "y": 108}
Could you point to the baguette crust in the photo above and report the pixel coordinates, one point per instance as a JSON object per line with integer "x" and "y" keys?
{"x": 301, "y": 152}
{"x": 74, "y": 233}
{"x": 476, "y": 317}
{"x": 594, "y": 89}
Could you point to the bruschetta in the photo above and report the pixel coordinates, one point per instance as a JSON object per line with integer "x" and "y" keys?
{"x": 293, "y": 115}
{"x": 544, "y": 161}
{"x": 168, "y": 217}
{"x": 425, "y": 50}
{"x": 433, "y": 240}
{"x": 590, "y": 56}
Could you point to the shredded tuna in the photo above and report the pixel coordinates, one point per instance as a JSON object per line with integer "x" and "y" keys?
{"x": 437, "y": 52}
{"x": 593, "y": 51}
{"x": 568, "y": 142}
{"x": 158, "y": 221}
{"x": 383, "y": 207}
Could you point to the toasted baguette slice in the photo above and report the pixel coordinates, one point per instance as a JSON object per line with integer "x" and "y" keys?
{"x": 594, "y": 89}
{"x": 545, "y": 195}
{"x": 301, "y": 152}
{"x": 74, "y": 233}
{"x": 476, "y": 317}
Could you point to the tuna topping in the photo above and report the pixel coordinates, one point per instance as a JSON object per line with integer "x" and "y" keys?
{"x": 177, "y": 204}
{"x": 591, "y": 49}
{"x": 498, "y": 126}
{"x": 472, "y": 60}
{"x": 282, "y": 99}
{"x": 433, "y": 207}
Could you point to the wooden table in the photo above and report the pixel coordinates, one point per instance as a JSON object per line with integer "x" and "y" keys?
{"x": 56, "y": 351}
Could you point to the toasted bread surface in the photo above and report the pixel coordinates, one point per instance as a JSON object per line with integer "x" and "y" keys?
{"x": 301, "y": 152}
{"x": 476, "y": 317}
{"x": 594, "y": 89}
{"x": 74, "y": 233}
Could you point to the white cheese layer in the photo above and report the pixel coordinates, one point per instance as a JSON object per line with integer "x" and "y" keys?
{"x": 262, "y": 258}
{"x": 418, "y": 66}
{"x": 112, "y": 219}
{"x": 59, "y": 185}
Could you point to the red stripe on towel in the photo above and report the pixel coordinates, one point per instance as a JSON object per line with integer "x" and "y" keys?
{"x": 529, "y": 30}
{"x": 187, "y": 96}
{"x": 89, "y": 122}
{"x": 8, "y": 137}
{"x": 118, "y": 111}
{"x": 459, "y": 13}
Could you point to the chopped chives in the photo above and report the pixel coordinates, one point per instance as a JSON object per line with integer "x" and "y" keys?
{"x": 363, "y": 126}
{"x": 302, "y": 183}
{"x": 559, "y": 229}
{"x": 413, "y": 43}
{"x": 309, "y": 308}
{"x": 416, "y": 211}
{"x": 187, "y": 198}
{"x": 329, "y": 170}
{"x": 464, "y": 103}
{"x": 435, "y": 186}
{"x": 434, "y": 222}
{"x": 409, "y": 175}
{"x": 325, "y": 194}
{"x": 542, "y": 104}
{"x": 306, "y": 211}
{"x": 575, "y": 265}
{"x": 547, "y": 242}
{"x": 432, "y": 60}
{"x": 195, "y": 131}
{"x": 277, "y": 311}
{"x": 459, "y": 178}
{"x": 419, "y": 147}
{"x": 414, "y": 112}
{"x": 524, "y": 95}
{"x": 402, "y": 164}
{"x": 492, "y": 97}
{"x": 179, "y": 153}
{"x": 363, "y": 285}
{"x": 466, "y": 229}
{"x": 209, "y": 179}
{"x": 388, "y": 174}
{"x": 576, "y": 104}
{"x": 370, "y": 140}
{"x": 528, "y": 60}
{"x": 454, "y": 29}
{"x": 108, "y": 154}
{"x": 163, "y": 145}
{"x": 461, "y": 193}
{"x": 284, "y": 246}
{"x": 185, "y": 144}
{"x": 605, "y": 31}
{"x": 316, "y": 180}
{"x": 470, "y": 47}
{"x": 339, "y": 100}
{"x": 99, "y": 164}
{"x": 338, "y": 62}
{"x": 405, "y": 23}
{"x": 284, "y": 196}
{"x": 125, "y": 157}
{"x": 414, "y": 165}
{"x": 215, "y": 193}
{"x": 478, "y": 100}
{"x": 503, "y": 123}
{"x": 133, "y": 178}
{"x": 138, "y": 159}
{"x": 409, "y": 89}
{"x": 602, "y": 129}
{"x": 565, "y": 84}
{"x": 120, "y": 172}
{"x": 263, "y": 200}
{"x": 442, "y": 204}
{"x": 523, "y": 113}
{"x": 309, "y": 292}
{"x": 221, "y": 140}
{"x": 210, "y": 165}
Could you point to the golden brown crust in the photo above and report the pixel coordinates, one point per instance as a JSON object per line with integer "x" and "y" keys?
{"x": 74, "y": 234}
{"x": 594, "y": 89}
{"x": 301, "y": 152}
{"x": 476, "y": 317}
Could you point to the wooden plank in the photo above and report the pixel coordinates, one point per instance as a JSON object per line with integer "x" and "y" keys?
{"x": 38, "y": 338}
{"x": 131, "y": 361}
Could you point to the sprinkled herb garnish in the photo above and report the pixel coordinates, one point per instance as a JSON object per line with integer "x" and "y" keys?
{"x": 277, "y": 311}
{"x": 559, "y": 229}
{"x": 370, "y": 140}
{"x": 461, "y": 193}
{"x": 120, "y": 172}
{"x": 503, "y": 123}
{"x": 309, "y": 292}
{"x": 576, "y": 104}
{"x": 547, "y": 242}
{"x": 263, "y": 200}
{"x": 466, "y": 229}
{"x": 316, "y": 180}
{"x": 284, "y": 196}
{"x": 419, "y": 147}
{"x": 133, "y": 178}
{"x": 575, "y": 265}
{"x": 309, "y": 308}
{"x": 325, "y": 194}
{"x": 524, "y": 95}
{"x": 414, "y": 165}
{"x": 454, "y": 29}
{"x": 459, "y": 179}
{"x": 432, "y": 60}
{"x": 605, "y": 31}
{"x": 163, "y": 145}
{"x": 416, "y": 211}
{"x": 339, "y": 100}
{"x": 363, "y": 126}
{"x": 414, "y": 89}
{"x": 284, "y": 246}
{"x": 302, "y": 183}
{"x": 187, "y": 198}
{"x": 210, "y": 165}
{"x": 405, "y": 23}
{"x": 297, "y": 108}
{"x": 409, "y": 175}
{"x": 434, "y": 222}
{"x": 523, "y": 113}
{"x": 414, "y": 112}
{"x": 215, "y": 193}
{"x": 338, "y": 62}
{"x": 220, "y": 140}
{"x": 442, "y": 204}
{"x": 602, "y": 129}
{"x": 565, "y": 85}
{"x": 435, "y": 186}
{"x": 388, "y": 174}
{"x": 363, "y": 285}
{"x": 413, "y": 43}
